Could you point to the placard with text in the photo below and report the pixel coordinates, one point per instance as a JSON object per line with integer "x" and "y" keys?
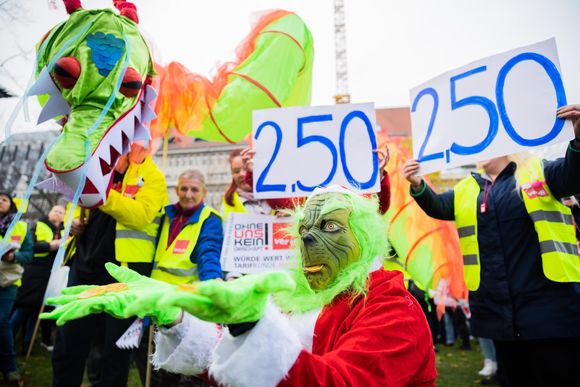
{"x": 256, "y": 244}
{"x": 301, "y": 148}
{"x": 496, "y": 106}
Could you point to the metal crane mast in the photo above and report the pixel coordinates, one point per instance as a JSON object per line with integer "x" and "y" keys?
{"x": 342, "y": 94}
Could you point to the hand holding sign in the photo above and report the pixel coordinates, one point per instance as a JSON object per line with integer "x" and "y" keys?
{"x": 571, "y": 112}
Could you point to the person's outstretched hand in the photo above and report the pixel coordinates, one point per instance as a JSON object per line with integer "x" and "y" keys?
{"x": 231, "y": 302}
{"x": 571, "y": 112}
{"x": 133, "y": 295}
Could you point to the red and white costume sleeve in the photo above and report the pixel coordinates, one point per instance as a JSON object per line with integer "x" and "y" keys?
{"x": 381, "y": 339}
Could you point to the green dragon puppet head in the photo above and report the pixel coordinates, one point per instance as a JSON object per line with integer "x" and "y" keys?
{"x": 339, "y": 236}
{"x": 96, "y": 69}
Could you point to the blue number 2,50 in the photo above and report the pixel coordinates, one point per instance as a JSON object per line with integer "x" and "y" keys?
{"x": 303, "y": 139}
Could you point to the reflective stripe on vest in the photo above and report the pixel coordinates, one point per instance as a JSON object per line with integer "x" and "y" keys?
{"x": 465, "y": 203}
{"x": 43, "y": 233}
{"x": 172, "y": 263}
{"x": 137, "y": 246}
{"x": 552, "y": 222}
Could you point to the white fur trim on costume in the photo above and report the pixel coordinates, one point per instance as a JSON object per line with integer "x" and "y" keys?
{"x": 334, "y": 188}
{"x": 261, "y": 357}
{"x": 304, "y": 324}
{"x": 185, "y": 348}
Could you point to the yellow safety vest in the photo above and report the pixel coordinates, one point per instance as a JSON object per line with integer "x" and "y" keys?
{"x": 237, "y": 207}
{"x": 172, "y": 263}
{"x": 137, "y": 245}
{"x": 552, "y": 222}
{"x": 18, "y": 234}
{"x": 43, "y": 233}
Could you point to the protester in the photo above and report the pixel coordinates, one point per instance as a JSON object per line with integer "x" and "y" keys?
{"x": 48, "y": 234}
{"x": 350, "y": 322}
{"x": 17, "y": 251}
{"x": 239, "y": 196}
{"x": 521, "y": 262}
{"x": 123, "y": 230}
{"x": 191, "y": 236}
{"x": 188, "y": 250}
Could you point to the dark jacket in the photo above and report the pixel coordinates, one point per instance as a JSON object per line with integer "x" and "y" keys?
{"x": 207, "y": 250}
{"x": 515, "y": 301}
{"x": 37, "y": 272}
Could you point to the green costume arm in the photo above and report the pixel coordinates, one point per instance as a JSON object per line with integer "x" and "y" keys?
{"x": 135, "y": 295}
{"x": 241, "y": 300}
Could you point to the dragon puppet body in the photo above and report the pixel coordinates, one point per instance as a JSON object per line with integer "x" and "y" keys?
{"x": 96, "y": 71}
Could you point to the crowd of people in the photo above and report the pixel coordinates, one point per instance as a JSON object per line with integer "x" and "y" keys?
{"x": 520, "y": 261}
{"x": 137, "y": 263}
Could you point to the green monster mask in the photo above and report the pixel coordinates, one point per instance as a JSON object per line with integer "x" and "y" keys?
{"x": 95, "y": 68}
{"x": 339, "y": 235}
{"x": 328, "y": 244}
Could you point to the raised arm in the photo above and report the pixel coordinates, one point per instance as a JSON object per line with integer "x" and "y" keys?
{"x": 439, "y": 206}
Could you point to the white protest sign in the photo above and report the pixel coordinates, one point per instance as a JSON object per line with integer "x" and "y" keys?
{"x": 256, "y": 244}
{"x": 301, "y": 148}
{"x": 496, "y": 106}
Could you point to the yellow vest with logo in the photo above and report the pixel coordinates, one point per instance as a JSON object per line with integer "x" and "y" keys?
{"x": 43, "y": 233}
{"x": 136, "y": 245}
{"x": 18, "y": 234}
{"x": 552, "y": 222}
{"x": 172, "y": 263}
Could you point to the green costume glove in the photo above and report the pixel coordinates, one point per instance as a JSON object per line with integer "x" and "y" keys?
{"x": 231, "y": 302}
{"x": 135, "y": 295}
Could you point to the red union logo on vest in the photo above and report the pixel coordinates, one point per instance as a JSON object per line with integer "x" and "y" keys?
{"x": 535, "y": 189}
{"x": 180, "y": 246}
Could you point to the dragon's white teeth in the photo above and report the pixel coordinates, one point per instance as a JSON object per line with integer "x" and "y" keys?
{"x": 147, "y": 114}
{"x": 150, "y": 94}
{"x": 91, "y": 200}
{"x": 52, "y": 184}
{"x": 141, "y": 133}
{"x": 137, "y": 111}
{"x": 43, "y": 85}
{"x": 116, "y": 141}
{"x": 55, "y": 106}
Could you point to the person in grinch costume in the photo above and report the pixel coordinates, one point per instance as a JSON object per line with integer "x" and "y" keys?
{"x": 337, "y": 318}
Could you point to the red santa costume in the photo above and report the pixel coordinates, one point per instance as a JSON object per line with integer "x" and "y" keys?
{"x": 381, "y": 339}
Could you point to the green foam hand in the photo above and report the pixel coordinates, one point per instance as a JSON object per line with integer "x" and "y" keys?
{"x": 238, "y": 301}
{"x": 134, "y": 295}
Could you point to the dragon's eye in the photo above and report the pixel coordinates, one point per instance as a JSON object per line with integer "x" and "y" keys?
{"x": 331, "y": 226}
{"x": 131, "y": 83}
{"x": 67, "y": 71}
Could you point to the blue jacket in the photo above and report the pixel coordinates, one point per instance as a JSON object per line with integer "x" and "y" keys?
{"x": 207, "y": 250}
{"x": 515, "y": 301}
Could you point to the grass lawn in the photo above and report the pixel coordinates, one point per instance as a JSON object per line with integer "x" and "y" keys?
{"x": 455, "y": 367}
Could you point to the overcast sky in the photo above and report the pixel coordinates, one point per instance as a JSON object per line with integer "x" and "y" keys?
{"x": 392, "y": 45}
